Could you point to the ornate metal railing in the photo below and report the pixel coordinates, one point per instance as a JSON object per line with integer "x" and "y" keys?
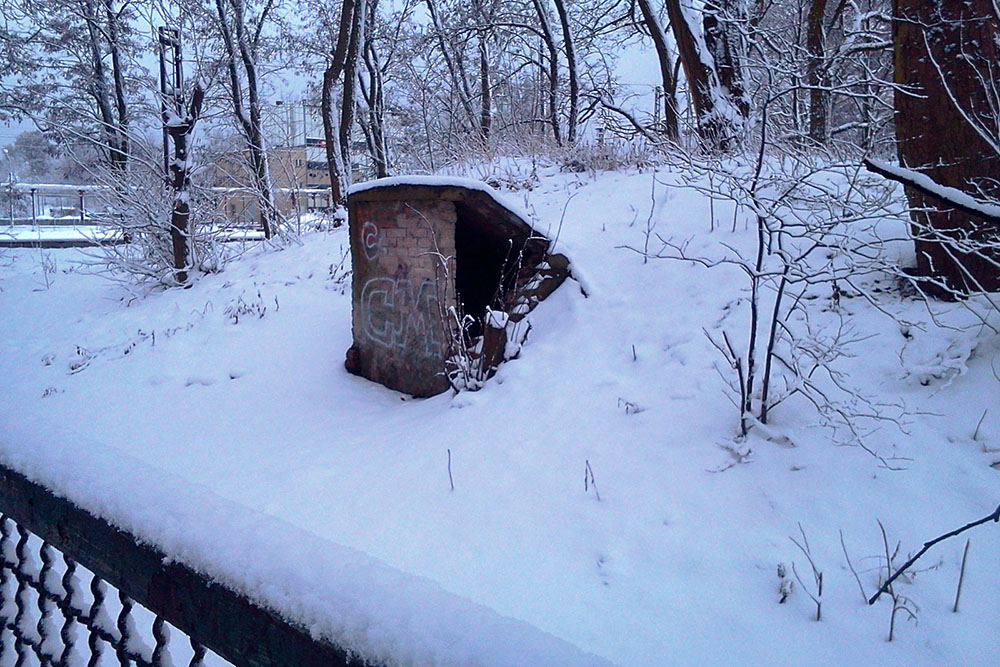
{"x": 75, "y": 590}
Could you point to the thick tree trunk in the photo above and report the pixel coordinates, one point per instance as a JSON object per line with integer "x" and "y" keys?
{"x": 945, "y": 129}
{"x": 180, "y": 183}
{"x": 348, "y": 101}
{"x": 718, "y": 117}
{"x": 816, "y": 77}
{"x": 723, "y": 45}
{"x": 671, "y": 127}
{"x": 331, "y": 126}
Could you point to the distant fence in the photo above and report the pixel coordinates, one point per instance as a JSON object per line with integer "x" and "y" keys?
{"x": 76, "y": 590}
{"x": 65, "y": 204}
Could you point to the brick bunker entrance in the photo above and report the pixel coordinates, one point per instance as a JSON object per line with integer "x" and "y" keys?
{"x": 430, "y": 258}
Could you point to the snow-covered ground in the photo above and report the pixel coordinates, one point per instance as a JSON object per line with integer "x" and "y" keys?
{"x": 219, "y": 423}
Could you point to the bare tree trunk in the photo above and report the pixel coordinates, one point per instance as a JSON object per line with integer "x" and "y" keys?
{"x": 816, "y": 77}
{"x": 718, "y": 118}
{"x": 111, "y": 126}
{"x": 553, "y": 73}
{"x": 331, "y": 130}
{"x": 716, "y": 19}
{"x": 180, "y": 183}
{"x": 944, "y": 52}
{"x": 485, "y": 92}
{"x": 118, "y": 81}
{"x": 670, "y": 121}
{"x": 455, "y": 65}
{"x": 373, "y": 93}
{"x": 571, "y": 72}
{"x": 348, "y": 101}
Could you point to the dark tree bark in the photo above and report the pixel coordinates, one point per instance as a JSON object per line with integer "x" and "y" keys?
{"x": 485, "y": 17}
{"x": 105, "y": 38}
{"x": 485, "y": 91}
{"x": 722, "y": 44}
{"x": 553, "y": 74}
{"x": 571, "y": 72}
{"x": 671, "y": 127}
{"x": 455, "y": 63}
{"x": 180, "y": 183}
{"x": 816, "y": 77}
{"x": 373, "y": 91}
{"x": 348, "y": 99}
{"x": 717, "y": 114}
{"x": 946, "y": 128}
{"x": 331, "y": 75}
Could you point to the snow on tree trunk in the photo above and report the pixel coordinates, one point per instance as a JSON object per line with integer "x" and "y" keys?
{"x": 946, "y": 56}
{"x": 721, "y": 41}
{"x": 719, "y": 120}
{"x": 339, "y": 178}
{"x": 179, "y": 130}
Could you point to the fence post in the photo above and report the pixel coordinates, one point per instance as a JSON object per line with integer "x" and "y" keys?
{"x": 34, "y": 215}
{"x": 83, "y": 208}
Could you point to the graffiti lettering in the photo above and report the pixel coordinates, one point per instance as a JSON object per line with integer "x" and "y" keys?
{"x": 370, "y": 242}
{"x": 395, "y": 315}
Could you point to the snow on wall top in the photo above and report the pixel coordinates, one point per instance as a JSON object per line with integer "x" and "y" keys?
{"x": 442, "y": 181}
{"x": 341, "y": 594}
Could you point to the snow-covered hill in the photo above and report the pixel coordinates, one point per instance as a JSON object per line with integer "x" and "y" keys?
{"x": 242, "y": 445}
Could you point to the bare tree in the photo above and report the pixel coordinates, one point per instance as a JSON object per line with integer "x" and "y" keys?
{"x": 337, "y": 62}
{"x": 72, "y": 70}
{"x": 240, "y": 26}
{"x": 667, "y": 68}
{"x": 572, "y": 73}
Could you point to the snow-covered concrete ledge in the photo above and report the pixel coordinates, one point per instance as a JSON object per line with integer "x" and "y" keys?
{"x": 337, "y": 593}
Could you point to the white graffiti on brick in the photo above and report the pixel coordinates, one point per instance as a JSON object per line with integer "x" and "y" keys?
{"x": 395, "y": 315}
{"x": 370, "y": 241}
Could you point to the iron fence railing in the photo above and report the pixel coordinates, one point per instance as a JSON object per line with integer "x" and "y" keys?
{"x": 75, "y": 590}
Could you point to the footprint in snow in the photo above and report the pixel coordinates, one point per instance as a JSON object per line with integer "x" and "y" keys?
{"x": 203, "y": 381}
{"x": 602, "y": 570}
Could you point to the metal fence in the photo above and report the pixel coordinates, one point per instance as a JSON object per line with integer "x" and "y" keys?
{"x": 62, "y": 204}
{"x": 75, "y": 590}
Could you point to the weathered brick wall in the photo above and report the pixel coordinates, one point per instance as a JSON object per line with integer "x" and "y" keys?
{"x": 403, "y": 253}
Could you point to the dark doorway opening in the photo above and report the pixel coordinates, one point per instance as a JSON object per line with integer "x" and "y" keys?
{"x": 487, "y": 260}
